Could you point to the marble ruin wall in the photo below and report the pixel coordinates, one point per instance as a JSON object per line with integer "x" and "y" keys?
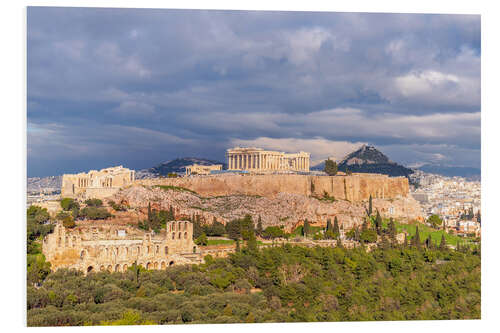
{"x": 357, "y": 187}
{"x": 96, "y": 184}
{"x": 115, "y": 248}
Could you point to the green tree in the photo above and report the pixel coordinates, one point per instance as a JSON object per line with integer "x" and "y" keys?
{"x": 202, "y": 240}
{"x": 416, "y": 239}
{"x": 392, "y": 229}
{"x": 331, "y": 167}
{"x": 68, "y": 204}
{"x": 336, "y": 229}
{"x": 259, "y": 226}
{"x": 370, "y": 206}
{"x": 428, "y": 242}
{"x": 442, "y": 244}
{"x": 306, "y": 229}
{"x": 93, "y": 202}
{"x": 368, "y": 236}
{"x": 378, "y": 223}
{"x": 328, "y": 225}
{"x": 435, "y": 221}
{"x": 273, "y": 232}
{"x": 68, "y": 222}
{"x": 252, "y": 242}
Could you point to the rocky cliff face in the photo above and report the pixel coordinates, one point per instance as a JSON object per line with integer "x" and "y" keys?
{"x": 287, "y": 209}
{"x": 357, "y": 187}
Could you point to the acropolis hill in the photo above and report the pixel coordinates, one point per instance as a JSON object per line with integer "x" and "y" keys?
{"x": 274, "y": 186}
{"x": 356, "y": 187}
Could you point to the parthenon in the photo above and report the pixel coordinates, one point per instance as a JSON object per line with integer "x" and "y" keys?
{"x": 258, "y": 159}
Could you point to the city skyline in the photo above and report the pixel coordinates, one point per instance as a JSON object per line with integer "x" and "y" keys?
{"x": 141, "y": 86}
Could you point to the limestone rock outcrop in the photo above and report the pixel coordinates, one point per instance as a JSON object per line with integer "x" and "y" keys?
{"x": 357, "y": 187}
{"x": 287, "y": 209}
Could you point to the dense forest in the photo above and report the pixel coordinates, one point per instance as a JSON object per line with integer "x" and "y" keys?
{"x": 276, "y": 284}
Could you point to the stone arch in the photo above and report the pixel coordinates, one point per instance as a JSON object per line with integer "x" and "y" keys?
{"x": 179, "y": 225}
{"x": 117, "y": 251}
{"x": 180, "y": 235}
{"x": 156, "y": 265}
{"x": 185, "y": 235}
{"x": 138, "y": 250}
{"x": 163, "y": 265}
{"x": 102, "y": 268}
{"x": 117, "y": 268}
{"x": 173, "y": 235}
{"x": 90, "y": 269}
{"x": 157, "y": 249}
{"x": 171, "y": 263}
{"x": 149, "y": 249}
{"x": 110, "y": 268}
{"x": 125, "y": 267}
{"x": 148, "y": 266}
{"x": 173, "y": 226}
{"x": 185, "y": 225}
{"x": 194, "y": 249}
{"x": 166, "y": 249}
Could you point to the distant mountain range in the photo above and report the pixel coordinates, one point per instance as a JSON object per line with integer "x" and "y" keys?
{"x": 368, "y": 159}
{"x": 451, "y": 171}
{"x": 178, "y": 165}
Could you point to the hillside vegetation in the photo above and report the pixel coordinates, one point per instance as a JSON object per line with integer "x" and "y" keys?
{"x": 277, "y": 284}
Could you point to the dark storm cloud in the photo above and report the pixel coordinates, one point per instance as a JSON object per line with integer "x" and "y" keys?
{"x": 140, "y": 86}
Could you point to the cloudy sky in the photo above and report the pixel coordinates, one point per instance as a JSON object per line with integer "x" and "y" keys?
{"x": 138, "y": 86}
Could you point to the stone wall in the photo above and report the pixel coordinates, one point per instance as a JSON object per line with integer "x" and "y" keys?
{"x": 356, "y": 187}
{"x": 96, "y": 184}
{"x": 110, "y": 247}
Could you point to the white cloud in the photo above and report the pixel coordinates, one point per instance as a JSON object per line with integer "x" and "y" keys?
{"x": 134, "y": 108}
{"x": 421, "y": 83}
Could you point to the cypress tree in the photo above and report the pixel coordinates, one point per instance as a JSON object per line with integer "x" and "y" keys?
{"x": 405, "y": 244}
{"x": 356, "y": 235}
{"x": 237, "y": 245}
{"x": 339, "y": 243}
{"x": 392, "y": 229}
{"x": 370, "y": 206}
{"x": 378, "y": 223}
{"x": 259, "y": 226}
{"x": 428, "y": 242}
{"x": 365, "y": 225}
{"x": 150, "y": 214}
{"x": 172, "y": 214}
{"x": 416, "y": 239}
{"x": 252, "y": 242}
{"x": 336, "y": 229}
{"x": 442, "y": 245}
{"x": 306, "y": 228}
{"x": 328, "y": 225}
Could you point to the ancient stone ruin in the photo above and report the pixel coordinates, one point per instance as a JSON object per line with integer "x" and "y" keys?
{"x": 96, "y": 184}
{"x": 101, "y": 247}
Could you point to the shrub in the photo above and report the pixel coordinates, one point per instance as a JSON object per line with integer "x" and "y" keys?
{"x": 68, "y": 204}
{"x": 93, "y": 202}
{"x": 68, "y": 222}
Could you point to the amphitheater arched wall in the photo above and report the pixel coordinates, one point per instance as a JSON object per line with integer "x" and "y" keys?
{"x": 115, "y": 248}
